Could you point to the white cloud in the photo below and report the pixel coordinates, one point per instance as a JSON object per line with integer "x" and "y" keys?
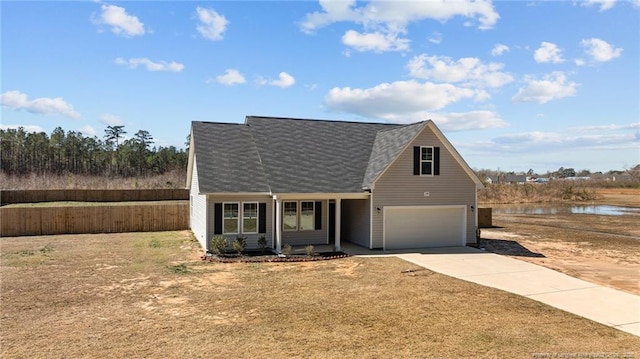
{"x": 397, "y": 100}
{"x": 398, "y": 14}
{"x": 375, "y": 41}
{"x": 88, "y": 130}
{"x": 561, "y": 140}
{"x": 613, "y": 137}
{"x": 284, "y": 80}
{"x": 212, "y": 25}
{"x": 435, "y": 38}
{"x": 231, "y": 77}
{"x": 551, "y": 87}
{"x": 604, "y": 4}
{"x": 27, "y": 128}
{"x": 383, "y": 20}
{"x": 580, "y": 62}
{"x": 467, "y": 70}
{"x": 121, "y": 23}
{"x": 499, "y": 49}
{"x": 44, "y": 105}
{"x": 150, "y": 65}
{"x": 548, "y": 53}
{"x": 111, "y": 120}
{"x": 610, "y": 127}
{"x": 473, "y": 120}
{"x": 600, "y": 50}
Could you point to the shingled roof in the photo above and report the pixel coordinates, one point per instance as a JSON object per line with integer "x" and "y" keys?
{"x": 282, "y": 155}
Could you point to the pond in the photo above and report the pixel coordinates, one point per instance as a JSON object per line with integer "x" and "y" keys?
{"x": 536, "y": 208}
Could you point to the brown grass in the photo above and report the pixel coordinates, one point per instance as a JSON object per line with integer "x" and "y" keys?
{"x": 147, "y": 295}
{"x": 173, "y": 179}
{"x": 553, "y": 191}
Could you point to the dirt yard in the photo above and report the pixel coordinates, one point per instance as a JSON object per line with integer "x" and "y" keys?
{"x": 600, "y": 249}
{"x": 148, "y": 295}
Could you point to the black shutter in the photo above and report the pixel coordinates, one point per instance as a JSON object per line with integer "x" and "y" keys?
{"x": 436, "y": 161}
{"x": 262, "y": 218}
{"x": 416, "y": 160}
{"x": 217, "y": 223}
{"x": 318, "y": 209}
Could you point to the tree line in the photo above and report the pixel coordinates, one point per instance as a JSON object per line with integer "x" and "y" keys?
{"x": 71, "y": 152}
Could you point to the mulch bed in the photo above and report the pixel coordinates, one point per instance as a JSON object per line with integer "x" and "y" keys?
{"x": 259, "y": 256}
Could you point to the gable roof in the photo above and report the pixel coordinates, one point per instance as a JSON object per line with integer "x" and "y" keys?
{"x": 227, "y": 159}
{"x": 314, "y": 156}
{"x": 386, "y": 148}
{"x": 283, "y": 155}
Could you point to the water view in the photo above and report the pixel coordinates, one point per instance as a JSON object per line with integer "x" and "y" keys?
{"x": 604, "y": 210}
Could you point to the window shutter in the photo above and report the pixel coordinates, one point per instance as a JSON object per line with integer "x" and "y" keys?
{"x": 262, "y": 218}
{"x": 416, "y": 160}
{"x": 436, "y": 161}
{"x": 217, "y": 223}
{"x": 318, "y": 209}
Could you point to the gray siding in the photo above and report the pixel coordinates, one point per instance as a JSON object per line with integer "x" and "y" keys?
{"x": 252, "y": 239}
{"x": 198, "y": 209}
{"x": 303, "y": 238}
{"x": 399, "y": 187}
{"x": 356, "y": 221}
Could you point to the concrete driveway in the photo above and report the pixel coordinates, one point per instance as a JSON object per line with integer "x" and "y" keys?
{"x": 604, "y": 305}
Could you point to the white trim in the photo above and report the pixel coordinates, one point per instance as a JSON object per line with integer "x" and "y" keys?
{"x": 278, "y": 239}
{"x": 371, "y": 221}
{"x": 464, "y": 219}
{"x": 433, "y": 161}
{"x": 190, "y": 160}
{"x": 338, "y": 227}
{"x": 237, "y": 220}
{"x": 257, "y": 217}
{"x": 321, "y": 196}
{"x": 236, "y": 194}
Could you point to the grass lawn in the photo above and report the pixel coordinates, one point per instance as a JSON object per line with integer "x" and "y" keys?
{"x": 141, "y": 295}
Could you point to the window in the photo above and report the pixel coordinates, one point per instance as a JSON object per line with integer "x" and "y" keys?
{"x": 250, "y": 217}
{"x": 230, "y": 218}
{"x": 426, "y": 160}
{"x": 290, "y": 216}
{"x": 307, "y": 216}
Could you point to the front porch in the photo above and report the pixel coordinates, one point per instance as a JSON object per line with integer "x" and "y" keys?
{"x": 333, "y": 217}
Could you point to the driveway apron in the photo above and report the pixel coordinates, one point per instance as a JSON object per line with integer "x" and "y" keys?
{"x": 604, "y": 305}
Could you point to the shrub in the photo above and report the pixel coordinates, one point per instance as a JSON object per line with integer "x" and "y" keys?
{"x": 262, "y": 243}
{"x": 218, "y": 245}
{"x": 286, "y": 249}
{"x": 240, "y": 244}
{"x": 309, "y": 250}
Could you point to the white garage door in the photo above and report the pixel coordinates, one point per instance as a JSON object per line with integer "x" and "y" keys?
{"x": 420, "y": 227}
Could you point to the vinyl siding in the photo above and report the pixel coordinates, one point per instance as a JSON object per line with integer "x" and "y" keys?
{"x": 303, "y": 238}
{"x": 399, "y": 187}
{"x": 198, "y": 209}
{"x": 252, "y": 239}
{"x": 356, "y": 221}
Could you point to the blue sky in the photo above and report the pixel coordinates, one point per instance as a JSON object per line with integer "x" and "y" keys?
{"x": 513, "y": 84}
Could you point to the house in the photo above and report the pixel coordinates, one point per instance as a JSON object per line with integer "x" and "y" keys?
{"x": 300, "y": 181}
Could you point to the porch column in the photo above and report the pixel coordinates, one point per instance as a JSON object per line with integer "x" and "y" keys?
{"x": 278, "y": 225}
{"x": 337, "y": 229}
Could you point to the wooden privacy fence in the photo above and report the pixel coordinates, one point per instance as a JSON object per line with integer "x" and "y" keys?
{"x": 92, "y": 195}
{"x": 30, "y": 221}
{"x": 485, "y": 218}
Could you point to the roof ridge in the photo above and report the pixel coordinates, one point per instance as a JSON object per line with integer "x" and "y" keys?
{"x": 322, "y": 120}
{"x": 219, "y": 123}
{"x": 400, "y": 126}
